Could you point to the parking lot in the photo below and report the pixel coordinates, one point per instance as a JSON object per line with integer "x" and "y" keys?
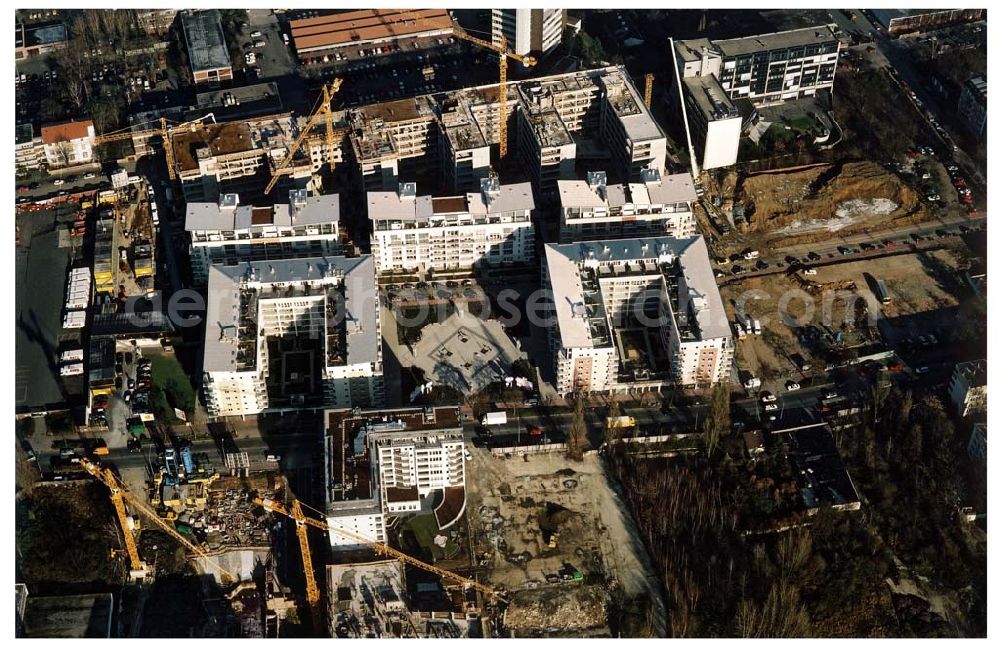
{"x": 41, "y": 264}
{"x": 273, "y": 58}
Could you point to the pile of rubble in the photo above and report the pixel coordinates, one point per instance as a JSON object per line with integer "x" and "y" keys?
{"x": 551, "y": 610}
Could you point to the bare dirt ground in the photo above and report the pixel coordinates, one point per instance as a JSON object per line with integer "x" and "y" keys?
{"x": 810, "y": 204}
{"x": 515, "y": 504}
{"x": 917, "y": 283}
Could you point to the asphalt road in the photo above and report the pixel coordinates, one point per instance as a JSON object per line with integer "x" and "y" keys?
{"x": 829, "y": 252}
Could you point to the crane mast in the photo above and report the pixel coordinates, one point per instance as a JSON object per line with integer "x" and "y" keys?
{"x": 378, "y": 547}
{"x": 326, "y": 110}
{"x": 119, "y": 493}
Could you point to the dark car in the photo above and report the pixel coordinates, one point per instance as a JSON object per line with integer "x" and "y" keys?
{"x": 813, "y": 256}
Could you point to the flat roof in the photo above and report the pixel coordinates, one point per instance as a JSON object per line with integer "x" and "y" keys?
{"x": 630, "y": 108}
{"x": 221, "y": 139}
{"x": 710, "y": 98}
{"x": 565, "y": 267}
{"x": 335, "y": 30}
{"x": 351, "y": 465}
{"x": 974, "y": 372}
{"x": 225, "y": 281}
{"x": 209, "y": 216}
{"x": 253, "y": 99}
{"x": 79, "y": 615}
{"x": 206, "y": 43}
{"x": 775, "y": 41}
{"x": 823, "y": 478}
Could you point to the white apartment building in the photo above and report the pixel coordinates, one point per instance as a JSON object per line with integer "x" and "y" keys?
{"x": 968, "y": 387}
{"x": 657, "y": 206}
{"x": 528, "y": 30}
{"x": 636, "y": 314}
{"x": 424, "y": 233}
{"x": 381, "y": 463}
{"x": 226, "y": 233}
{"x": 28, "y": 152}
{"x": 68, "y": 144}
{"x": 767, "y": 68}
{"x": 290, "y": 334}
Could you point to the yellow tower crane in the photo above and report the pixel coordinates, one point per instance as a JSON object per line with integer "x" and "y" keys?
{"x": 163, "y": 132}
{"x": 325, "y": 109}
{"x": 500, "y": 49}
{"x": 648, "y": 97}
{"x": 119, "y": 495}
{"x": 301, "y": 521}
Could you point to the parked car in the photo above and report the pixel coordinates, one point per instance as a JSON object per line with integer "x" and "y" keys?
{"x": 809, "y": 272}
{"x": 923, "y": 369}
{"x": 792, "y": 385}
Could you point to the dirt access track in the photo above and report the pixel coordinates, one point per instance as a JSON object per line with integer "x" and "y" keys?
{"x": 809, "y": 203}
{"x": 516, "y": 505}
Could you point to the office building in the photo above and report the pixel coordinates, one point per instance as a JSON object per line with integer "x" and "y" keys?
{"x": 424, "y": 233}
{"x": 767, "y": 68}
{"x": 636, "y": 314}
{"x": 909, "y": 21}
{"x": 528, "y": 30}
{"x": 291, "y": 334}
{"x": 208, "y": 54}
{"x": 226, "y": 232}
{"x": 657, "y": 206}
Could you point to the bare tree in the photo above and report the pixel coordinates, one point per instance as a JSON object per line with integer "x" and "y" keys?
{"x": 717, "y": 421}
{"x": 578, "y": 428}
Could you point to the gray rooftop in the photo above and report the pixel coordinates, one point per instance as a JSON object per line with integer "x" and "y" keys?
{"x": 512, "y": 197}
{"x": 776, "y": 41}
{"x": 210, "y": 216}
{"x": 672, "y": 189}
{"x": 389, "y": 205}
{"x": 359, "y": 291}
{"x": 710, "y": 98}
{"x": 565, "y": 262}
{"x": 631, "y": 111}
{"x": 206, "y": 43}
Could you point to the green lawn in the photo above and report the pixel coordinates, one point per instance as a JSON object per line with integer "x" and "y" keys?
{"x": 171, "y": 388}
{"x": 424, "y": 530}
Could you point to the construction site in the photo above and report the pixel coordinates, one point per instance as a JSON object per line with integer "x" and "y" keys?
{"x": 809, "y": 204}
{"x": 553, "y": 535}
{"x": 797, "y": 341}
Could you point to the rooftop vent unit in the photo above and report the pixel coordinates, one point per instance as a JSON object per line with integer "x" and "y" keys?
{"x": 598, "y": 182}
{"x": 490, "y": 187}
{"x": 408, "y": 191}
{"x": 229, "y": 201}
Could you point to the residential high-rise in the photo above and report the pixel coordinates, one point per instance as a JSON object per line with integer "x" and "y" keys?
{"x": 292, "y": 333}
{"x": 225, "y": 232}
{"x": 424, "y": 233}
{"x": 529, "y": 30}
{"x": 635, "y": 314}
